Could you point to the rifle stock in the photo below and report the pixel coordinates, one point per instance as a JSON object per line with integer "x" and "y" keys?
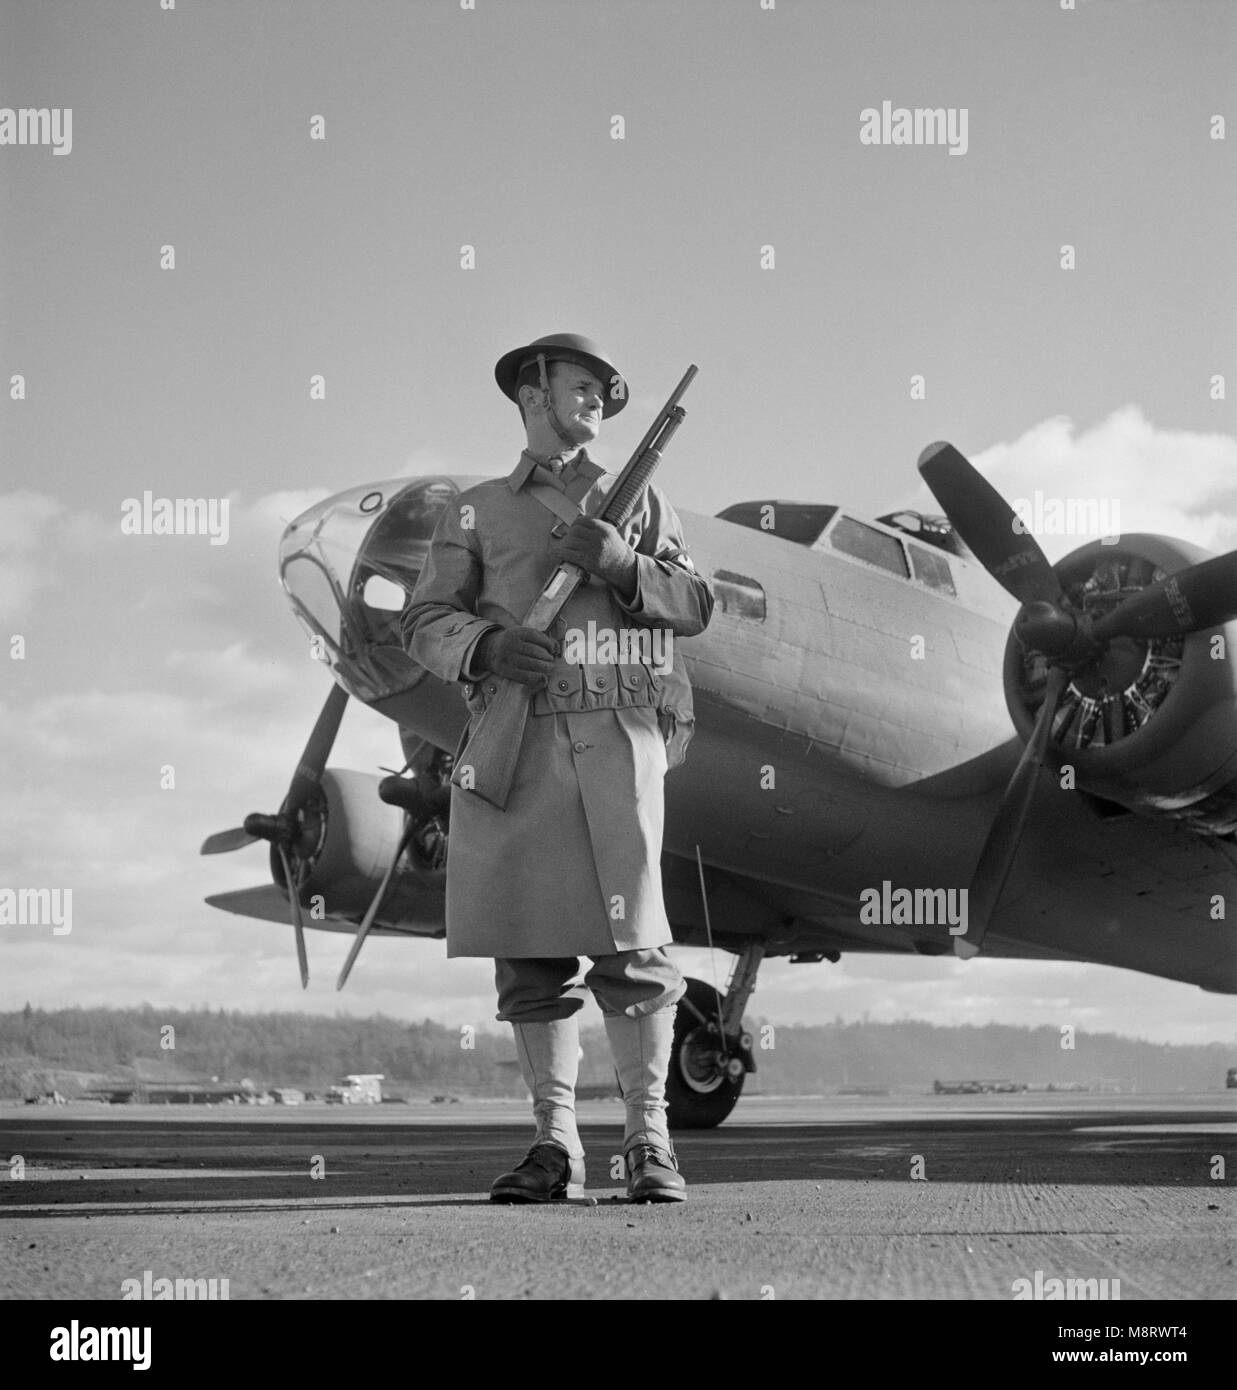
{"x": 487, "y": 765}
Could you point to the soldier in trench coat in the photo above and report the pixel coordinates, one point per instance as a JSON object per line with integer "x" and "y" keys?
{"x": 571, "y": 868}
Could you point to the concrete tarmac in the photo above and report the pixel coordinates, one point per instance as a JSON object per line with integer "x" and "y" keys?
{"x": 937, "y": 1197}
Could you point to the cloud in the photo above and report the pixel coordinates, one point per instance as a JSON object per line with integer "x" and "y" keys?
{"x": 272, "y": 511}
{"x": 1173, "y": 482}
{"x": 25, "y": 518}
{"x": 235, "y": 674}
{"x": 23, "y": 515}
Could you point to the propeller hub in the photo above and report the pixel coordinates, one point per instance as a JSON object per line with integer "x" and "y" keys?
{"x": 414, "y": 795}
{"x": 1117, "y": 667}
{"x": 265, "y": 827}
{"x": 1047, "y": 627}
{"x": 404, "y": 792}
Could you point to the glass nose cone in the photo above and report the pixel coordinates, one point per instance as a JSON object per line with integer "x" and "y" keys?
{"x": 348, "y": 565}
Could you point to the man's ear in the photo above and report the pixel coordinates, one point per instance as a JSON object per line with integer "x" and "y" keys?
{"x": 534, "y": 400}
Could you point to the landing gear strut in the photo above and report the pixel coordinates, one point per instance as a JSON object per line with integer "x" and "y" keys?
{"x": 708, "y": 1061}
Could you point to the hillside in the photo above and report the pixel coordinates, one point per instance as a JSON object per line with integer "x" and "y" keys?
{"x": 73, "y": 1049}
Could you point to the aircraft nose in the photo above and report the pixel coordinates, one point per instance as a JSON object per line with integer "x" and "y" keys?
{"x": 348, "y": 565}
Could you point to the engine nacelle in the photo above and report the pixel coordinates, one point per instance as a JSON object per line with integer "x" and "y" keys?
{"x": 351, "y": 836}
{"x": 1151, "y": 725}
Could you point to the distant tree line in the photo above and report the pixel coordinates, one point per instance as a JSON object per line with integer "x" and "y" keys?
{"x": 311, "y": 1051}
{"x": 912, "y": 1054}
{"x": 307, "y": 1051}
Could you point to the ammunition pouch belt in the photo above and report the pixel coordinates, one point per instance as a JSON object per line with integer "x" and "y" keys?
{"x": 573, "y": 688}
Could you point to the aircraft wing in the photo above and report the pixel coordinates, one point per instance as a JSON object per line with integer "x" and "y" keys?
{"x": 1121, "y": 889}
{"x": 1090, "y": 883}
{"x": 270, "y": 904}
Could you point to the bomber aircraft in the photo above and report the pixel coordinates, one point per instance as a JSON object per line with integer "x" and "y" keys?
{"x": 896, "y": 719}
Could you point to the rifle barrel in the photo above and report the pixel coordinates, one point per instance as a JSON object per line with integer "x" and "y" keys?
{"x": 670, "y": 415}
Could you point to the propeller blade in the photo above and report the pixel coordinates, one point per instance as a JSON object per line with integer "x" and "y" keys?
{"x": 227, "y": 840}
{"x": 989, "y": 526}
{"x": 375, "y": 907}
{"x": 1001, "y": 847}
{"x": 298, "y": 922}
{"x": 308, "y": 772}
{"x": 1202, "y": 596}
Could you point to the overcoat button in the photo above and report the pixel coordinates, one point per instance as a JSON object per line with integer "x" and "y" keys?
{"x": 579, "y": 746}
{"x": 601, "y": 682}
{"x": 562, "y": 685}
{"x": 491, "y": 689}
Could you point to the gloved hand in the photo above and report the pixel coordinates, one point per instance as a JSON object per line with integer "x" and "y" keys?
{"x": 518, "y": 653}
{"x": 597, "y": 547}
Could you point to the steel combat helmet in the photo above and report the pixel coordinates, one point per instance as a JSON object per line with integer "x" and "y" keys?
{"x": 564, "y": 347}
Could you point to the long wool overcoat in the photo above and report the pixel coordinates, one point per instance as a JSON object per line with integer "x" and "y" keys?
{"x": 572, "y": 866}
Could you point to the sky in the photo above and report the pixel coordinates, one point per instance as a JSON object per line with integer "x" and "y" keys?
{"x": 1056, "y": 296}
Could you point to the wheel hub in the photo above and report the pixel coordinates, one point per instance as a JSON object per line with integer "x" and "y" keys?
{"x": 702, "y": 1063}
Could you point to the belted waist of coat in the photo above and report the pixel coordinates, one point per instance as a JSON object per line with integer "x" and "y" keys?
{"x": 572, "y": 687}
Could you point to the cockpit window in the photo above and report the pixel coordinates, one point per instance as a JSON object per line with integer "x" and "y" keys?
{"x": 932, "y": 568}
{"x": 935, "y": 530}
{"x": 866, "y": 543}
{"x": 800, "y": 522}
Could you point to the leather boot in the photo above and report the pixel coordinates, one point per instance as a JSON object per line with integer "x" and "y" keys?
{"x": 549, "y": 1055}
{"x": 641, "y": 1049}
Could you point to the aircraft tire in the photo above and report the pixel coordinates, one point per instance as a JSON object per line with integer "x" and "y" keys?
{"x": 695, "y": 1103}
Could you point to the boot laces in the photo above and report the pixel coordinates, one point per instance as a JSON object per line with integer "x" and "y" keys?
{"x": 650, "y": 1153}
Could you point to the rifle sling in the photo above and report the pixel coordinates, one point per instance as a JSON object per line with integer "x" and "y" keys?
{"x": 562, "y": 504}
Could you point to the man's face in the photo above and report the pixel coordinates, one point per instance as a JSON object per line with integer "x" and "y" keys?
{"x": 577, "y": 397}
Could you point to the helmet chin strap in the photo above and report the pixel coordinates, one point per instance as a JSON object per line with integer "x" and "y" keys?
{"x": 555, "y": 423}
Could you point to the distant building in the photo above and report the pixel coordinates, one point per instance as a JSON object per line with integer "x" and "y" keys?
{"x": 170, "y": 1093}
{"x": 978, "y": 1088}
{"x": 358, "y": 1088}
{"x": 47, "y": 1097}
